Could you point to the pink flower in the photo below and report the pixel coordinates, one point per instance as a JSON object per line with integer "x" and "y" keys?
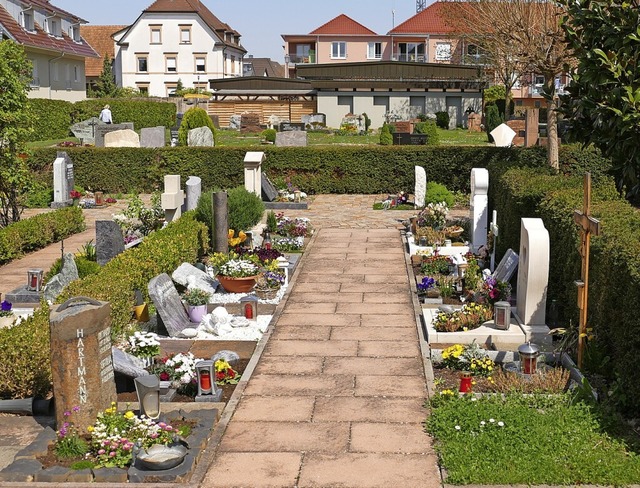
{"x": 112, "y": 454}
{"x": 101, "y": 452}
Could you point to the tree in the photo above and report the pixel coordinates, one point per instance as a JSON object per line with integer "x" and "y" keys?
{"x": 493, "y": 119}
{"x": 107, "y": 87}
{"x": 15, "y": 127}
{"x": 603, "y": 101}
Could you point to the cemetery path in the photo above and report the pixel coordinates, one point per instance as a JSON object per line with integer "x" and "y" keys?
{"x": 337, "y": 397}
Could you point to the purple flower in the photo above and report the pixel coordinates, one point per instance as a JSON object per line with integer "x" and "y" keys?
{"x": 67, "y": 413}
{"x": 427, "y": 282}
{"x": 112, "y": 454}
{"x": 6, "y": 306}
{"x": 76, "y": 409}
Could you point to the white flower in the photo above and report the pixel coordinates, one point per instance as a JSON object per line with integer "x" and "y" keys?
{"x": 491, "y": 420}
{"x": 483, "y": 423}
{"x": 457, "y": 427}
{"x": 500, "y": 424}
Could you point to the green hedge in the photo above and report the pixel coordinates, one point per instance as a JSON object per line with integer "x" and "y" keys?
{"x": 363, "y": 170}
{"x": 143, "y": 113}
{"x": 52, "y": 119}
{"x": 39, "y": 231}
{"x": 614, "y": 273}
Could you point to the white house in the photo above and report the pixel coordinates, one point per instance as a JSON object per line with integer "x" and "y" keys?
{"x": 176, "y": 40}
{"x": 51, "y": 40}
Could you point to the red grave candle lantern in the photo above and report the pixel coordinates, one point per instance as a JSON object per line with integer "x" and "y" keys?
{"x": 465, "y": 382}
{"x": 529, "y": 357}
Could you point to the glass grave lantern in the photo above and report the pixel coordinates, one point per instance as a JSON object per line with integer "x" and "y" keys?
{"x": 249, "y": 307}
{"x": 529, "y": 358}
{"x": 148, "y": 391}
{"x": 99, "y": 198}
{"x": 205, "y": 370}
{"x": 465, "y": 382}
{"x": 502, "y": 315}
{"x": 34, "y": 279}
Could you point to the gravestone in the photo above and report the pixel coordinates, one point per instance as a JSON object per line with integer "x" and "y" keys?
{"x": 273, "y": 122}
{"x": 194, "y": 190}
{"x": 102, "y": 129}
{"x": 312, "y": 121}
{"x": 250, "y": 122}
{"x": 109, "y": 241}
{"x": 63, "y": 180}
{"x": 188, "y": 275}
{"x": 122, "y": 138}
{"x": 406, "y": 139}
{"x": 86, "y": 130}
{"x": 59, "y": 282}
{"x": 293, "y": 138}
{"x": 201, "y": 137}
{"x": 531, "y": 127}
{"x": 403, "y": 126}
{"x": 533, "y": 278}
{"x": 173, "y": 198}
{"x": 269, "y": 191}
{"x": 503, "y": 135}
{"x": 81, "y": 363}
{"x": 235, "y": 121}
{"x": 291, "y": 126}
{"x": 420, "y": 191}
{"x": 253, "y": 172}
{"x": 169, "y": 305}
{"x": 232, "y": 357}
{"x": 215, "y": 120}
{"x": 479, "y": 207}
{"x": 152, "y": 137}
{"x": 174, "y": 136}
{"x": 507, "y": 266}
{"x": 127, "y": 364}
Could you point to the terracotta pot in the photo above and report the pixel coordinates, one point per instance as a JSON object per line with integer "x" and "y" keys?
{"x": 196, "y": 312}
{"x": 237, "y": 285}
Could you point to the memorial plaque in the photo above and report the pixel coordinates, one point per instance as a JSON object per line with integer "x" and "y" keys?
{"x": 507, "y": 266}
{"x": 406, "y": 139}
{"x": 169, "y": 305}
{"x": 291, "y": 126}
{"x": 63, "y": 180}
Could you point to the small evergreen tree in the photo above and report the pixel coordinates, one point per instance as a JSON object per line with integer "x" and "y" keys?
{"x": 193, "y": 118}
{"x": 386, "y": 139}
{"x": 492, "y": 119}
{"x": 107, "y": 87}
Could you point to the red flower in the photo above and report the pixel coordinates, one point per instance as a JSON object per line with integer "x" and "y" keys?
{"x": 164, "y": 376}
{"x": 219, "y": 376}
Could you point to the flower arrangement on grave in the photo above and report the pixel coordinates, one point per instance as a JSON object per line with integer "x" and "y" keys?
{"x": 468, "y": 357}
{"x": 68, "y": 443}
{"x": 236, "y": 241}
{"x": 427, "y": 283}
{"x": 471, "y": 316}
{"x": 433, "y": 215}
{"x": 196, "y": 296}
{"x": 493, "y": 291}
{"x": 234, "y": 265}
{"x": 225, "y": 374}
{"x": 75, "y": 194}
{"x": 6, "y": 309}
{"x": 435, "y": 264}
{"x": 288, "y": 227}
{"x": 180, "y": 370}
{"x": 144, "y": 344}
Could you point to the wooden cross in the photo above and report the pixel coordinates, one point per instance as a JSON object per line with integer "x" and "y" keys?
{"x": 588, "y": 226}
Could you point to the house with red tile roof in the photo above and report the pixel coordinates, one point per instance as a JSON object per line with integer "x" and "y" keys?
{"x": 176, "y": 40}
{"x": 52, "y": 42}
{"x": 99, "y": 37}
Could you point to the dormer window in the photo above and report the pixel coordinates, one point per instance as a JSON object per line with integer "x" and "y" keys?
{"x": 26, "y": 20}
{"x": 74, "y": 32}
{"x": 52, "y": 26}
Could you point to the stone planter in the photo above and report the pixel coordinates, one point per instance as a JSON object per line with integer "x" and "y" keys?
{"x": 237, "y": 285}
{"x": 266, "y": 293}
{"x": 196, "y": 312}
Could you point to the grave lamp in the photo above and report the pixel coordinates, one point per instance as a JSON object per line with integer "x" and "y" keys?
{"x": 249, "y": 307}
{"x": 266, "y": 242}
{"x": 528, "y": 357}
{"x": 283, "y": 264}
{"x": 502, "y": 315}
{"x": 205, "y": 370}
{"x": 465, "y": 382}
{"x": 462, "y": 270}
{"x": 34, "y": 279}
{"x": 148, "y": 391}
{"x": 99, "y": 198}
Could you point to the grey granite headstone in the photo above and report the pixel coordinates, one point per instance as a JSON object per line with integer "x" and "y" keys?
{"x": 122, "y": 138}
{"x": 85, "y": 130}
{"x": 314, "y": 120}
{"x": 507, "y": 266}
{"x": 294, "y": 138}
{"x": 127, "y": 364}
{"x": 235, "y": 121}
{"x": 188, "y": 275}
{"x": 152, "y": 136}
{"x": 269, "y": 192}
{"x": 168, "y": 304}
{"x": 109, "y": 241}
{"x": 194, "y": 190}
{"x": 200, "y": 136}
{"x": 63, "y": 180}
{"x": 103, "y": 129}
{"x": 233, "y": 358}
{"x": 67, "y": 274}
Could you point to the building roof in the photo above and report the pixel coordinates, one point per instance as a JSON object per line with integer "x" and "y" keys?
{"x": 39, "y": 38}
{"x": 99, "y": 38}
{"x": 431, "y": 20}
{"x": 343, "y": 25}
{"x": 265, "y": 67}
{"x": 195, "y": 6}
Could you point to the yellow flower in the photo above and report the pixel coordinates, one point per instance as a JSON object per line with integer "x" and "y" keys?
{"x": 90, "y": 428}
{"x": 129, "y": 415}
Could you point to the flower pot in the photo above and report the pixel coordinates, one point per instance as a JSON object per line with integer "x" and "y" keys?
{"x": 196, "y": 312}
{"x": 266, "y": 293}
{"x": 141, "y": 312}
{"x": 237, "y": 285}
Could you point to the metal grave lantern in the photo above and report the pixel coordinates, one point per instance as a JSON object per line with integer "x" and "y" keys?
{"x": 283, "y": 264}
{"x": 34, "y": 279}
{"x": 99, "y": 198}
{"x": 206, "y": 377}
{"x": 529, "y": 358}
{"x": 249, "y": 307}
{"x": 148, "y": 391}
{"x": 502, "y": 315}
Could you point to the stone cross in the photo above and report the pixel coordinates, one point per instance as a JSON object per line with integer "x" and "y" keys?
{"x": 172, "y": 198}
{"x": 493, "y": 227}
{"x": 588, "y": 227}
{"x": 479, "y": 207}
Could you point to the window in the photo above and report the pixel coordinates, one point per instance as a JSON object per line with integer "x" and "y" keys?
{"x": 443, "y": 51}
{"x": 27, "y": 20}
{"x": 338, "y": 50}
{"x": 156, "y": 34}
{"x": 185, "y": 34}
{"x": 374, "y": 50}
{"x": 142, "y": 61}
{"x": 74, "y": 32}
{"x": 52, "y": 27}
{"x": 171, "y": 63}
{"x": 35, "y": 80}
{"x": 171, "y": 88}
{"x": 417, "y": 105}
{"x": 412, "y": 51}
{"x": 201, "y": 64}
{"x": 346, "y": 100}
{"x": 76, "y": 74}
{"x": 233, "y": 64}
{"x": 381, "y": 102}
{"x": 143, "y": 88}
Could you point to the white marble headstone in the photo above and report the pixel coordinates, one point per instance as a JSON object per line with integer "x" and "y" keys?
{"x": 63, "y": 180}
{"x": 252, "y": 172}
{"x": 479, "y": 207}
{"x": 172, "y": 198}
{"x": 503, "y": 135}
{"x": 420, "y": 191}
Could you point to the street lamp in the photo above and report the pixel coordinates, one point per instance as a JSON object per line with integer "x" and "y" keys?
{"x": 287, "y": 60}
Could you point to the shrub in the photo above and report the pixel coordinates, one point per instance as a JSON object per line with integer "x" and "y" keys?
{"x": 386, "y": 139}
{"x": 437, "y": 193}
{"x": 269, "y": 135}
{"x": 52, "y": 119}
{"x": 85, "y": 267}
{"x": 442, "y": 120}
{"x": 143, "y": 113}
{"x": 428, "y": 128}
{"x": 493, "y": 119}
{"x": 367, "y": 122}
{"x": 40, "y": 196}
{"x": 193, "y": 118}
{"x": 272, "y": 222}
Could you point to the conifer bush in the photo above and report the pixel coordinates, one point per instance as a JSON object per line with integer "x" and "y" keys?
{"x": 193, "y": 118}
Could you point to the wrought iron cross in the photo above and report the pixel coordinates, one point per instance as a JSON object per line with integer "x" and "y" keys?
{"x": 588, "y": 227}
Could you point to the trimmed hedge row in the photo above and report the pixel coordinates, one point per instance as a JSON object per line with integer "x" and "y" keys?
{"x": 614, "y": 274}
{"x": 52, "y": 119}
{"x": 39, "y": 231}
{"x": 27, "y": 345}
{"x": 364, "y": 170}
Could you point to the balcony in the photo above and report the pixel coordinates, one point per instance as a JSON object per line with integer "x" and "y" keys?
{"x": 411, "y": 58}
{"x": 295, "y": 59}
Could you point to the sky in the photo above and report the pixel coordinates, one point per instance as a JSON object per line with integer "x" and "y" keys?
{"x": 260, "y": 22}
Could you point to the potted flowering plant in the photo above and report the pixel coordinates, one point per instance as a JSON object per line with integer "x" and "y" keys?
{"x": 144, "y": 345}
{"x": 196, "y": 300}
{"x": 493, "y": 291}
{"x": 236, "y": 274}
{"x": 179, "y": 371}
{"x": 225, "y": 374}
{"x": 268, "y": 284}
{"x": 434, "y": 215}
{"x": 6, "y": 314}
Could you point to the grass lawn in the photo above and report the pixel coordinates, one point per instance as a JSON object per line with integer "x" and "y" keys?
{"x": 528, "y": 440}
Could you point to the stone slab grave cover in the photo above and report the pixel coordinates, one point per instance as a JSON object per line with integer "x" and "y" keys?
{"x": 169, "y": 305}
{"x": 188, "y": 275}
{"x": 152, "y": 136}
{"x": 253, "y": 172}
{"x": 103, "y": 129}
{"x": 507, "y": 266}
{"x": 81, "y": 363}
{"x": 479, "y": 210}
{"x": 172, "y": 198}
{"x": 109, "y": 241}
{"x": 86, "y": 130}
{"x": 269, "y": 191}
{"x": 503, "y": 135}
{"x": 250, "y": 122}
{"x": 533, "y": 278}
{"x": 420, "y": 191}
{"x": 194, "y": 190}
{"x": 59, "y": 282}
{"x": 122, "y": 138}
{"x": 63, "y": 180}
{"x": 292, "y": 138}
{"x": 200, "y": 136}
